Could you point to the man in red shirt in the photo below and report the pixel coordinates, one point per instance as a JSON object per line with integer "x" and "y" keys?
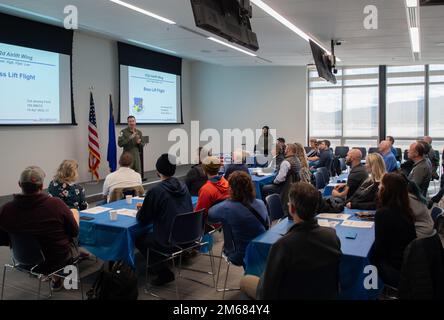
{"x": 216, "y": 189}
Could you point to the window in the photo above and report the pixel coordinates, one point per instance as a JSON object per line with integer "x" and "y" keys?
{"x": 346, "y": 110}
{"x": 405, "y": 101}
{"x": 436, "y": 101}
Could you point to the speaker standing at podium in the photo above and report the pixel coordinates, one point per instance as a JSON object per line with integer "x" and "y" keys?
{"x": 130, "y": 139}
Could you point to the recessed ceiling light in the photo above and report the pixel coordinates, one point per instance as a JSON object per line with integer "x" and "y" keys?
{"x": 143, "y": 11}
{"x": 231, "y": 46}
{"x": 265, "y": 7}
{"x": 143, "y": 44}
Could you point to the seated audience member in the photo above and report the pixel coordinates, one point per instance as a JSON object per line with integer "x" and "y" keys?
{"x": 305, "y": 174}
{"x": 216, "y": 189}
{"x": 280, "y": 151}
{"x": 246, "y": 216}
{"x": 196, "y": 177}
{"x": 423, "y": 219}
{"x": 358, "y": 174}
{"x": 304, "y": 263}
{"x": 394, "y": 227}
{"x": 290, "y": 166}
{"x": 392, "y": 143}
{"x": 433, "y": 158}
{"x": 124, "y": 177}
{"x": 161, "y": 206}
{"x": 313, "y": 154}
{"x": 421, "y": 172}
{"x": 48, "y": 219}
{"x": 325, "y": 155}
{"x": 237, "y": 165}
{"x": 365, "y": 197}
{"x": 63, "y": 186}
{"x": 389, "y": 158}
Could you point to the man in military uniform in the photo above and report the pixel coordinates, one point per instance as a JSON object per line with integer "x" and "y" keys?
{"x": 130, "y": 139}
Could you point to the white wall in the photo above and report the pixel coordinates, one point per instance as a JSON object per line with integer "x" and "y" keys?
{"x": 94, "y": 64}
{"x": 250, "y": 97}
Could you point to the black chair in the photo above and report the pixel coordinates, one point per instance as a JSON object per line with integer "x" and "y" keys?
{"x": 274, "y": 207}
{"x": 319, "y": 179}
{"x": 406, "y": 155}
{"x": 27, "y": 257}
{"x": 325, "y": 174}
{"x": 229, "y": 246}
{"x": 422, "y": 273}
{"x": 373, "y": 150}
{"x": 398, "y": 154}
{"x": 186, "y": 235}
{"x": 341, "y": 151}
{"x": 343, "y": 164}
{"x": 363, "y": 151}
{"x": 307, "y": 149}
{"x": 436, "y": 211}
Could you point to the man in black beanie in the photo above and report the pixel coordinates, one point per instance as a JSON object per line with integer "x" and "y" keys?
{"x": 160, "y": 207}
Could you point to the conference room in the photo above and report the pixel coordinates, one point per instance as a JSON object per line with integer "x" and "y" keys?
{"x": 248, "y": 150}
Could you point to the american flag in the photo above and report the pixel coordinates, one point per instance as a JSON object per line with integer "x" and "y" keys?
{"x": 93, "y": 141}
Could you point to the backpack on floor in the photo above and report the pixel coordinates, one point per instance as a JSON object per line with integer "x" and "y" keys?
{"x": 120, "y": 283}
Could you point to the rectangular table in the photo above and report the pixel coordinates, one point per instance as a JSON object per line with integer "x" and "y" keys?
{"x": 329, "y": 187}
{"x": 356, "y": 253}
{"x": 260, "y": 181}
{"x": 112, "y": 240}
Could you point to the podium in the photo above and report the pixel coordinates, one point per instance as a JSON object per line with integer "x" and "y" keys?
{"x": 145, "y": 140}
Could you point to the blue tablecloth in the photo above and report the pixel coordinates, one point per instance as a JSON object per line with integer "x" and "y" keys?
{"x": 356, "y": 253}
{"x": 111, "y": 240}
{"x": 329, "y": 188}
{"x": 260, "y": 181}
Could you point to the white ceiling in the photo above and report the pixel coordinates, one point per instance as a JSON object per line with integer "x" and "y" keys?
{"x": 324, "y": 19}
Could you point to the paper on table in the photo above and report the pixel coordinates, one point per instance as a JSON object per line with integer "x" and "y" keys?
{"x": 357, "y": 224}
{"x": 326, "y": 223}
{"x": 340, "y": 216}
{"x": 138, "y": 198}
{"x": 127, "y": 212}
{"x": 96, "y": 210}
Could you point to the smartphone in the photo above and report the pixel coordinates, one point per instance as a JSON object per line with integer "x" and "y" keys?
{"x": 351, "y": 235}
{"x": 85, "y": 218}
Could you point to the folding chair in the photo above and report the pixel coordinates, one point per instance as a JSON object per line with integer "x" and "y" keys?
{"x": 27, "y": 257}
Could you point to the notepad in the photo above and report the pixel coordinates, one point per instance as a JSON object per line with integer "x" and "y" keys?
{"x": 358, "y": 224}
{"x": 96, "y": 210}
{"x": 327, "y": 223}
{"x": 335, "y": 216}
{"x": 127, "y": 212}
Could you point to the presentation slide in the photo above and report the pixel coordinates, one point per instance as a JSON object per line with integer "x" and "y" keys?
{"x": 35, "y": 86}
{"x": 150, "y": 96}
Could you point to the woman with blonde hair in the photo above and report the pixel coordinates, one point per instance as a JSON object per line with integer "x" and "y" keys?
{"x": 366, "y": 196}
{"x": 305, "y": 173}
{"x": 64, "y": 186}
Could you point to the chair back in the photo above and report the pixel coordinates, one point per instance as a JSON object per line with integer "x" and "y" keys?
{"x": 274, "y": 207}
{"x": 406, "y": 155}
{"x": 436, "y": 211}
{"x": 325, "y": 173}
{"x": 436, "y": 154}
{"x": 422, "y": 272}
{"x": 341, "y": 151}
{"x": 363, "y": 151}
{"x": 120, "y": 193}
{"x": 307, "y": 149}
{"x": 319, "y": 179}
{"x": 26, "y": 250}
{"x": 439, "y": 226}
{"x": 343, "y": 164}
{"x": 398, "y": 154}
{"x": 373, "y": 150}
{"x": 187, "y": 228}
